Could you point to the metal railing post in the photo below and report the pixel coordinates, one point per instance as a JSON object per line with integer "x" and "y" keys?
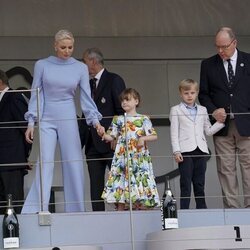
{"x": 129, "y": 184}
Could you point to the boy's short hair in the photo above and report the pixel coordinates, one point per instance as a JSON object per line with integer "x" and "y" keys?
{"x": 186, "y": 84}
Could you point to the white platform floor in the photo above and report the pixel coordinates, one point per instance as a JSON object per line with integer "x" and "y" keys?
{"x": 123, "y": 230}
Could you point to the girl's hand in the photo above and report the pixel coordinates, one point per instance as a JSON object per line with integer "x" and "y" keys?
{"x": 29, "y": 134}
{"x": 140, "y": 143}
{"x": 178, "y": 157}
{"x": 113, "y": 144}
{"x": 107, "y": 138}
{"x": 103, "y": 136}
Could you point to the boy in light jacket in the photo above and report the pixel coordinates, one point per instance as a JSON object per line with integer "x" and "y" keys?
{"x": 189, "y": 121}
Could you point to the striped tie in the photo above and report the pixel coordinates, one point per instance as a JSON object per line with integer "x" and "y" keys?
{"x": 230, "y": 72}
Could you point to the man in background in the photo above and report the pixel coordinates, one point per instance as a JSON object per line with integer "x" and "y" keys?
{"x": 13, "y": 147}
{"x": 105, "y": 90}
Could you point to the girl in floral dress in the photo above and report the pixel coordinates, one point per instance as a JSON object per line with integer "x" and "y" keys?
{"x": 143, "y": 192}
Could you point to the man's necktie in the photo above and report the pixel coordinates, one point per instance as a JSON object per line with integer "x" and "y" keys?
{"x": 93, "y": 87}
{"x": 230, "y": 74}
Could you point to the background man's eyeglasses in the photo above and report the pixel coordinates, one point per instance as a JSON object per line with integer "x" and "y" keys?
{"x": 224, "y": 47}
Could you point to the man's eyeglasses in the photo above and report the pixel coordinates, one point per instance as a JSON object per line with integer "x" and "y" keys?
{"x": 224, "y": 47}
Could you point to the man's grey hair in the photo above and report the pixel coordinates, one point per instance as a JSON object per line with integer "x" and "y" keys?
{"x": 94, "y": 53}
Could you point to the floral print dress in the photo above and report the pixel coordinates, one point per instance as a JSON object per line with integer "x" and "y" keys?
{"x": 142, "y": 183}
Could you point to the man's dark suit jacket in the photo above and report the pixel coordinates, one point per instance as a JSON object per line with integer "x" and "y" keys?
{"x": 13, "y": 147}
{"x": 108, "y": 104}
{"x": 215, "y": 93}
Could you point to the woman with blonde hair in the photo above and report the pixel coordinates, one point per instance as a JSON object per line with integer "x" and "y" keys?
{"x": 57, "y": 78}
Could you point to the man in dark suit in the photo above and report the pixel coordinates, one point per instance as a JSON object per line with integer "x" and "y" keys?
{"x": 225, "y": 91}
{"x": 105, "y": 90}
{"x": 13, "y": 147}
